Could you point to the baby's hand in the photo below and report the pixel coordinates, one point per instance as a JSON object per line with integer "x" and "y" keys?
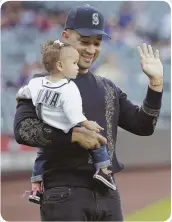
{"x": 91, "y": 125}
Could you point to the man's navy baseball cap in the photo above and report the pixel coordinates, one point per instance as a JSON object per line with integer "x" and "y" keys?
{"x": 86, "y": 20}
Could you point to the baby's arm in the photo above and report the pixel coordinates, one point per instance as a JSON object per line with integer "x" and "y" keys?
{"x": 23, "y": 93}
{"x": 29, "y": 91}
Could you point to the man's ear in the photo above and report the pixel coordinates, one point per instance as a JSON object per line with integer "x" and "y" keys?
{"x": 65, "y": 35}
{"x": 59, "y": 66}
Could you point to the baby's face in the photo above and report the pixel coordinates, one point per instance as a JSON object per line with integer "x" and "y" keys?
{"x": 70, "y": 58}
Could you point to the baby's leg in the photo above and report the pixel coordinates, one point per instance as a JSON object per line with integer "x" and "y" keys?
{"x": 101, "y": 159}
{"x": 102, "y": 162}
{"x": 36, "y": 179}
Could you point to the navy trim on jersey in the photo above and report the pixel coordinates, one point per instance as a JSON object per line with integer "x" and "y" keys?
{"x": 56, "y": 87}
{"x": 41, "y": 75}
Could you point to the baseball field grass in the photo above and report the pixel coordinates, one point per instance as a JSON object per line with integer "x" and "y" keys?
{"x": 159, "y": 211}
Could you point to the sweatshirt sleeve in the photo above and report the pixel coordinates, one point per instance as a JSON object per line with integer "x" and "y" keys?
{"x": 140, "y": 120}
{"x": 30, "y": 130}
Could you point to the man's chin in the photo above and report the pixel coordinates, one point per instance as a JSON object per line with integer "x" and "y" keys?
{"x": 84, "y": 66}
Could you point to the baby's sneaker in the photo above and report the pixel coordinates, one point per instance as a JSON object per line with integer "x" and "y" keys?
{"x": 106, "y": 179}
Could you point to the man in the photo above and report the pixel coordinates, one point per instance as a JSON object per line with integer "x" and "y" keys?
{"x": 70, "y": 193}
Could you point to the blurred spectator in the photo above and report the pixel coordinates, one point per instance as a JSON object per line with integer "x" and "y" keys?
{"x": 126, "y": 16}
{"x": 28, "y": 17}
{"x": 142, "y": 18}
{"x": 164, "y": 38}
{"x": 164, "y": 29}
{"x": 110, "y": 70}
{"x": 41, "y": 21}
{"x": 28, "y": 72}
{"x": 111, "y": 25}
{"x": 61, "y": 17}
{"x": 10, "y": 14}
{"x": 124, "y": 32}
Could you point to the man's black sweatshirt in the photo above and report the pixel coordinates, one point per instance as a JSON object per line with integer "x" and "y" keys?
{"x": 67, "y": 163}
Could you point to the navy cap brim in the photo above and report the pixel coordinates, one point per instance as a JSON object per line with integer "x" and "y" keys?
{"x": 91, "y": 32}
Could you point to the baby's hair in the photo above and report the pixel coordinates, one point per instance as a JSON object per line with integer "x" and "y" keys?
{"x": 51, "y": 52}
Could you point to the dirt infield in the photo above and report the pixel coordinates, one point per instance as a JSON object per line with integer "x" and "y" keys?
{"x": 137, "y": 190}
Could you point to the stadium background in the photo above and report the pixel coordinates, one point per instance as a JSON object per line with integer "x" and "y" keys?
{"x": 26, "y": 25}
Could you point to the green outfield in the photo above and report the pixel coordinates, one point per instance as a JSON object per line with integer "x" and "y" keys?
{"x": 159, "y": 211}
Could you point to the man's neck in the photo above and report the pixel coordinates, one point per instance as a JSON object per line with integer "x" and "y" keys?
{"x": 83, "y": 71}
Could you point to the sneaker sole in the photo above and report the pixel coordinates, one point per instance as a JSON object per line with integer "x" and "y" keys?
{"x": 34, "y": 199}
{"x": 113, "y": 187}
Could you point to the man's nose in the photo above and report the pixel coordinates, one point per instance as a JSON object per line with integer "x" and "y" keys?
{"x": 91, "y": 49}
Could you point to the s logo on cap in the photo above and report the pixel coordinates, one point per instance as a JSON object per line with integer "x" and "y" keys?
{"x": 95, "y": 19}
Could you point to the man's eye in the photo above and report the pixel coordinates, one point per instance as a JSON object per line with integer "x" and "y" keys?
{"x": 97, "y": 44}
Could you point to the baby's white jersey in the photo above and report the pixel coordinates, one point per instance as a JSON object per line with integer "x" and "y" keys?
{"x": 57, "y": 104}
